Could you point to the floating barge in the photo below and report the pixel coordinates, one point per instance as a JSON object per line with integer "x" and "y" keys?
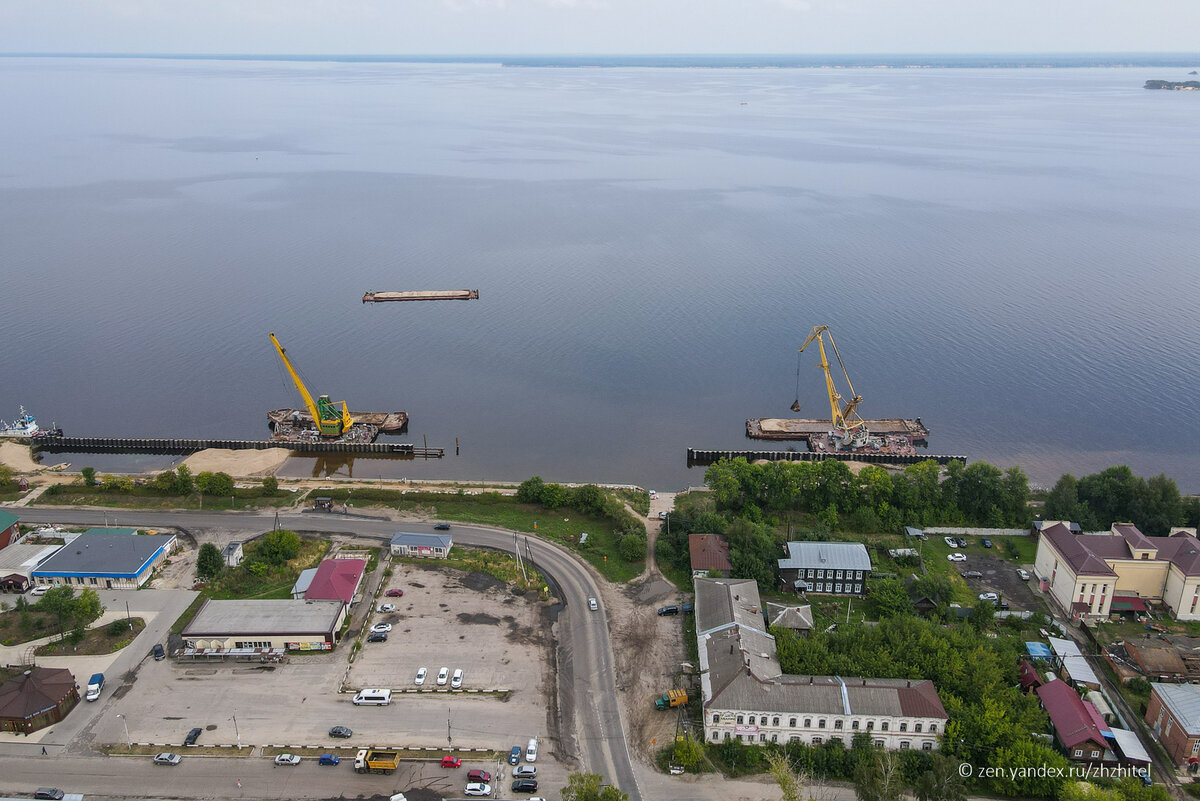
{"x": 892, "y": 436}
{"x": 292, "y": 421}
{"x": 702, "y": 457}
{"x": 437, "y": 294}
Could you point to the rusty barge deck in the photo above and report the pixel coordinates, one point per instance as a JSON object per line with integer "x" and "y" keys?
{"x": 436, "y": 294}
{"x": 894, "y": 435}
{"x": 299, "y": 419}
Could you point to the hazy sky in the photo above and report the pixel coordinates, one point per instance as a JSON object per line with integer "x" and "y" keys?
{"x": 598, "y": 26}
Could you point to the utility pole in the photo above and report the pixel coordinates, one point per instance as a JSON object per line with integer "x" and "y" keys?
{"x": 520, "y": 564}
{"x": 238, "y": 733}
{"x": 128, "y": 619}
{"x": 449, "y": 737}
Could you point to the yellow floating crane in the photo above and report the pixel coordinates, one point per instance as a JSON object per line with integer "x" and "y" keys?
{"x": 324, "y": 412}
{"x": 844, "y": 418}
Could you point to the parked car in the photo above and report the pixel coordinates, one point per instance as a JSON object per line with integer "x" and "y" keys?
{"x": 479, "y": 776}
{"x": 443, "y": 676}
{"x": 957, "y": 557}
{"x": 40, "y": 589}
{"x": 662, "y": 515}
{"x": 421, "y": 674}
{"x": 287, "y": 759}
{"x": 593, "y": 604}
{"x": 52, "y": 793}
{"x": 988, "y": 596}
{"x": 514, "y": 756}
{"x": 449, "y": 761}
{"x": 167, "y": 759}
{"x": 381, "y": 628}
{"x": 394, "y": 593}
{"x": 377, "y": 636}
{"x": 653, "y": 495}
{"x": 1022, "y": 574}
{"x": 478, "y": 788}
{"x": 329, "y": 759}
{"x": 686, "y": 609}
{"x": 341, "y": 732}
{"x": 159, "y": 653}
{"x": 953, "y": 543}
{"x": 524, "y": 786}
{"x": 971, "y": 574}
{"x": 985, "y": 542}
{"x": 524, "y": 772}
{"x": 192, "y": 736}
{"x": 1002, "y": 604}
{"x": 387, "y": 607}
{"x": 668, "y": 610}
{"x": 442, "y": 527}
{"x": 456, "y": 679}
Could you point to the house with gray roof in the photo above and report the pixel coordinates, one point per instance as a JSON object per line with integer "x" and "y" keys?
{"x": 108, "y": 561}
{"x": 746, "y": 695}
{"x": 1173, "y": 713}
{"x": 426, "y": 545}
{"x": 271, "y": 625}
{"x": 840, "y": 568}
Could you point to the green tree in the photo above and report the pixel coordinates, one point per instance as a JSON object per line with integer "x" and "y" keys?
{"x": 530, "y": 490}
{"x": 60, "y": 602}
{"x": 890, "y": 597}
{"x": 942, "y": 782}
{"x": 589, "y": 499}
{"x": 208, "y": 562}
{"x": 633, "y": 547}
{"x": 89, "y": 476}
{"x": 87, "y": 607}
{"x": 983, "y": 614}
{"x": 879, "y": 778}
{"x": 214, "y": 483}
{"x": 936, "y": 587}
{"x": 790, "y": 781}
{"x": 554, "y": 496}
{"x": 277, "y": 547}
{"x": 270, "y": 485}
{"x": 184, "y": 482}
{"x": 1032, "y": 755}
{"x": 688, "y": 752}
{"x": 1062, "y": 502}
{"x": 588, "y": 787}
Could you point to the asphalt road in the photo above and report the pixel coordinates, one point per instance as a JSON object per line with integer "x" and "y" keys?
{"x": 586, "y": 683}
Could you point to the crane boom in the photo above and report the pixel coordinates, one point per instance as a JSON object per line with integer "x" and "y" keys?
{"x": 843, "y": 417}
{"x": 324, "y": 412}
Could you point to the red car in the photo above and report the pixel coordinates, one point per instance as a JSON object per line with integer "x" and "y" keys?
{"x": 394, "y": 593}
{"x": 451, "y": 762}
{"x": 479, "y": 776}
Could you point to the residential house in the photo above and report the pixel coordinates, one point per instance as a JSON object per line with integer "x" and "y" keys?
{"x": 232, "y": 554}
{"x": 337, "y": 580}
{"x": 709, "y": 552}
{"x": 826, "y": 567}
{"x": 1078, "y": 727}
{"x": 797, "y": 618}
{"x": 10, "y": 528}
{"x": 1173, "y": 713}
{"x": 435, "y": 546}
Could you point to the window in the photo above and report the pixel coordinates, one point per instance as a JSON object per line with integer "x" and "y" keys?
{"x": 821, "y": 723}
{"x": 839, "y": 588}
{"x": 837, "y": 724}
{"x": 716, "y": 719}
{"x": 820, "y": 574}
{"x": 792, "y": 722}
{"x": 1196, "y": 748}
{"x": 808, "y": 723}
{"x": 835, "y": 739}
{"x": 917, "y": 727}
{"x": 1078, "y": 753}
{"x": 816, "y": 741}
{"x": 927, "y": 747}
{"x": 793, "y": 738}
{"x": 740, "y": 720}
{"x": 1095, "y": 755}
{"x": 715, "y": 733}
{"x": 93, "y": 580}
{"x": 839, "y": 575}
{"x": 762, "y": 721}
{"x": 879, "y": 743}
{"x": 883, "y": 726}
{"x": 904, "y": 726}
{"x": 932, "y": 727}
{"x": 762, "y": 738}
{"x": 726, "y": 735}
{"x": 904, "y": 745}
{"x": 775, "y": 721}
{"x": 858, "y": 588}
{"x": 774, "y": 738}
{"x": 854, "y": 724}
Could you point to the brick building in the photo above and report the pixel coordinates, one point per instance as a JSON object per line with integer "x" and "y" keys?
{"x": 1174, "y": 714}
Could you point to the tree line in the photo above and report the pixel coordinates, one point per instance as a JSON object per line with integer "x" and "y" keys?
{"x": 589, "y": 499}
{"x": 1116, "y": 495}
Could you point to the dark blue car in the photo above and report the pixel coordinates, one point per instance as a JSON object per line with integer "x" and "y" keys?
{"x": 329, "y": 759}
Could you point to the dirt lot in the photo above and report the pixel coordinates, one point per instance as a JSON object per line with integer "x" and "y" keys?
{"x": 1000, "y": 576}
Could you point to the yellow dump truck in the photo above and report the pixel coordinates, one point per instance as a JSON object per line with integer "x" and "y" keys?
{"x": 670, "y": 699}
{"x": 372, "y": 761}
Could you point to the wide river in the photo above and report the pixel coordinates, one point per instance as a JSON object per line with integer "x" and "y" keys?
{"x": 1011, "y": 254}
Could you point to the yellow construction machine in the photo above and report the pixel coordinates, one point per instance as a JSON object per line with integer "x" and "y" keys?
{"x": 326, "y": 417}
{"x": 844, "y": 418}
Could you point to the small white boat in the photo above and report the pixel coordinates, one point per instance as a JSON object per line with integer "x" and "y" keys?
{"x": 23, "y": 426}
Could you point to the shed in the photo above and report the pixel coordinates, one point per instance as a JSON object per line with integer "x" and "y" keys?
{"x": 303, "y": 582}
{"x": 1074, "y": 663}
{"x": 425, "y": 545}
{"x": 38, "y": 698}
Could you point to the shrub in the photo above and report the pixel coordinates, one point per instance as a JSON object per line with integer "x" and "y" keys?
{"x": 270, "y": 485}
{"x": 117, "y": 628}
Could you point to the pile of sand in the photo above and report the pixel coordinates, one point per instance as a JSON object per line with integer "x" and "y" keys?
{"x": 17, "y": 456}
{"x": 238, "y": 463}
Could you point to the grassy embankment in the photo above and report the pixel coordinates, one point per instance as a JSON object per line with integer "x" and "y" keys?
{"x": 101, "y": 640}
{"x": 563, "y": 526}
{"x": 149, "y": 497}
{"x": 501, "y": 565}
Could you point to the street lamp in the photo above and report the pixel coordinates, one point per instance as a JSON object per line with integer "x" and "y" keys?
{"x": 238, "y": 733}
{"x": 128, "y": 739}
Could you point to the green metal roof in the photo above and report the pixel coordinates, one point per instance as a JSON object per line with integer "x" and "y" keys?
{"x": 7, "y": 519}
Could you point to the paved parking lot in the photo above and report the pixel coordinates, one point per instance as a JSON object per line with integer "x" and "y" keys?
{"x": 1000, "y": 576}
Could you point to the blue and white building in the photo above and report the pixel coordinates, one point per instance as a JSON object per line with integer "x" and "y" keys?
{"x": 427, "y": 545}
{"x": 106, "y": 561}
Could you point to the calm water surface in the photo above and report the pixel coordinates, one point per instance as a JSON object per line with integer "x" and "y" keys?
{"x": 1010, "y": 254}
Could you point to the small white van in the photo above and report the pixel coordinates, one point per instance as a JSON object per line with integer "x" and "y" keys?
{"x": 373, "y": 698}
{"x": 531, "y": 750}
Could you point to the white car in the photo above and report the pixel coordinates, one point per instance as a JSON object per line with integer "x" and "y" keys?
{"x": 40, "y": 589}
{"x": 287, "y": 759}
{"x": 957, "y": 557}
{"x": 478, "y": 788}
{"x": 443, "y": 674}
{"x": 524, "y": 772}
{"x": 1022, "y": 574}
{"x": 988, "y": 596}
{"x": 387, "y": 607}
{"x": 381, "y": 628}
{"x": 653, "y": 495}
{"x": 456, "y": 679}
{"x": 662, "y": 515}
{"x": 421, "y": 674}
{"x": 593, "y": 604}
{"x": 953, "y": 543}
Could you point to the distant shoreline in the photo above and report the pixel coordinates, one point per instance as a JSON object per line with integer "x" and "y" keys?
{"x": 697, "y": 60}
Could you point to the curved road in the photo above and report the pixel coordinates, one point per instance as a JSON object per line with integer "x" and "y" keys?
{"x": 585, "y": 658}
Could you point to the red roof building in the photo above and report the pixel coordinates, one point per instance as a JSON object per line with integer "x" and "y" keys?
{"x": 337, "y": 580}
{"x": 1077, "y": 728}
{"x": 37, "y": 698}
{"x": 709, "y": 552}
